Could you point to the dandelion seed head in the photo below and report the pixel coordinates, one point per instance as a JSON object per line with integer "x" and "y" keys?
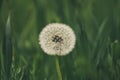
{"x": 57, "y": 39}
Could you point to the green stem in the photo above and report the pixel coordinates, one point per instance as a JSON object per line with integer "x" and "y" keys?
{"x": 58, "y": 68}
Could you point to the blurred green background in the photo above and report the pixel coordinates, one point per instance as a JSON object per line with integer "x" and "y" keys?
{"x": 96, "y": 23}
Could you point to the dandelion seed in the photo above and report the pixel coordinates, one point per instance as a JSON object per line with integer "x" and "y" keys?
{"x": 57, "y": 39}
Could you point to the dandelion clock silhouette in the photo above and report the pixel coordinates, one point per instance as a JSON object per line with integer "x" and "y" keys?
{"x": 57, "y": 39}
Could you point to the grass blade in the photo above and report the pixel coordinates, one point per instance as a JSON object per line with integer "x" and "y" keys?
{"x": 7, "y": 49}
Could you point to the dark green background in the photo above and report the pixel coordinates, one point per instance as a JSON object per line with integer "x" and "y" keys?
{"x": 96, "y": 23}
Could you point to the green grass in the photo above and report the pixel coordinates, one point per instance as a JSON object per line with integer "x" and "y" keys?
{"x": 96, "y": 55}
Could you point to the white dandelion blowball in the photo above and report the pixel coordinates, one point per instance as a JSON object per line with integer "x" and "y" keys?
{"x": 57, "y": 39}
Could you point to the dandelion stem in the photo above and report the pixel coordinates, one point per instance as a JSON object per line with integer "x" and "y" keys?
{"x": 58, "y": 68}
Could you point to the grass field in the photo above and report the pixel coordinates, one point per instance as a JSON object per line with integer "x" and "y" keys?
{"x": 96, "y": 24}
